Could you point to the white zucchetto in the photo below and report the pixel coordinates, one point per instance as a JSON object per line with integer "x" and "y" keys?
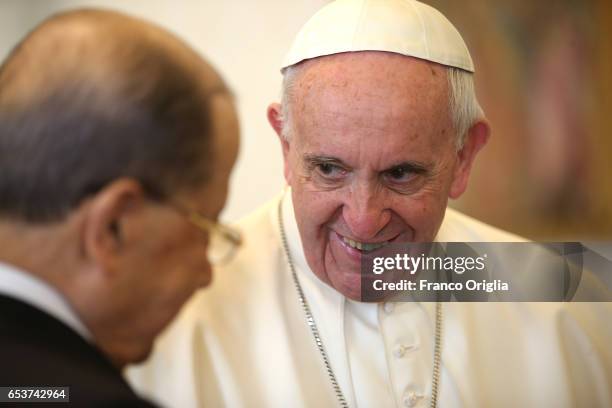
{"x": 405, "y": 27}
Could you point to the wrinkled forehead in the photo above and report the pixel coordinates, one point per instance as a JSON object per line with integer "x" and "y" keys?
{"x": 373, "y": 86}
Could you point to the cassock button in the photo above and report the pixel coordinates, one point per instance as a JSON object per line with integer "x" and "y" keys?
{"x": 400, "y": 350}
{"x": 411, "y": 399}
{"x": 388, "y": 307}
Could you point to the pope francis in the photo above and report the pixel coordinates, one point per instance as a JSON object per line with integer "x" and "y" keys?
{"x": 379, "y": 126}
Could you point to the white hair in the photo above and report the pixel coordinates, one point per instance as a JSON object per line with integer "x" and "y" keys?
{"x": 464, "y": 106}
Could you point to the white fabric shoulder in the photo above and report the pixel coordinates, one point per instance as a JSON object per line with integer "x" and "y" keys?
{"x": 458, "y": 227}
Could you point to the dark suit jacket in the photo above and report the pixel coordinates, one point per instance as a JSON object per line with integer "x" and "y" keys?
{"x": 38, "y": 350}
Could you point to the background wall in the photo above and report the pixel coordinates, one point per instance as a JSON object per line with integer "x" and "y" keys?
{"x": 543, "y": 77}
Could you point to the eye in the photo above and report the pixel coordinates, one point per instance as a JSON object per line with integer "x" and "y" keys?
{"x": 405, "y": 178}
{"x": 326, "y": 168}
{"x": 329, "y": 170}
{"x": 400, "y": 174}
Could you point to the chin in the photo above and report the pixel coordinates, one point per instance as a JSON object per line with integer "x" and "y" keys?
{"x": 347, "y": 283}
{"x": 134, "y": 355}
{"x": 350, "y": 293}
{"x": 142, "y": 354}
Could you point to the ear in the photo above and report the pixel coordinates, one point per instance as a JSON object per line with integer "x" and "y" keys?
{"x": 106, "y": 219}
{"x": 276, "y": 121}
{"x": 476, "y": 138}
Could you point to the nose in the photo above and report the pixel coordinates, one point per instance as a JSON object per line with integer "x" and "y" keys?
{"x": 365, "y": 213}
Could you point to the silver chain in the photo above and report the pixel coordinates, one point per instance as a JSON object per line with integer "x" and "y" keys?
{"x": 435, "y": 376}
{"x": 319, "y": 342}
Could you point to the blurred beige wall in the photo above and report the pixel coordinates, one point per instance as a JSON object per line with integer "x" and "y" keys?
{"x": 543, "y": 78}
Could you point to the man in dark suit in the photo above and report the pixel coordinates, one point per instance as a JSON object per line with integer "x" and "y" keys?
{"x": 116, "y": 144}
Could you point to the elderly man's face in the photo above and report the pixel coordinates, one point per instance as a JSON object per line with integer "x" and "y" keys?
{"x": 163, "y": 258}
{"x": 371, "y": 158}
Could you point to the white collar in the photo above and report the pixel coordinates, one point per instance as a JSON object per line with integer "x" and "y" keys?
{"x": 27, "y": 288}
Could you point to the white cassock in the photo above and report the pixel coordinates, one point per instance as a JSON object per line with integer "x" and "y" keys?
{"x": 244, "y": 341}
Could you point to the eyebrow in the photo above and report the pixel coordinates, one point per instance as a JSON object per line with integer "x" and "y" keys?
{"x": 314, "y": 159}
{"x": 413, "y": 166}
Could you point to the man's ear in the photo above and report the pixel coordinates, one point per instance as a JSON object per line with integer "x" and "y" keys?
{"x": 477, "y": 136}
{"x": 105, "y": 221}
{"x": 276, "y": 121}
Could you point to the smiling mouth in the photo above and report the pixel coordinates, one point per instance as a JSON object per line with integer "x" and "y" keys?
{"x": 364, "y": 246}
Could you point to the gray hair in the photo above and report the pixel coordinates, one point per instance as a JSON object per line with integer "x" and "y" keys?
{"x": 464, "y": 106}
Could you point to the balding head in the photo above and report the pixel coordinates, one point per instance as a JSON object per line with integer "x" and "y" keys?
{"x": 89, "y": 96}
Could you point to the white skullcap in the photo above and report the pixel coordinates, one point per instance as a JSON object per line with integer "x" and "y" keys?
{"x": 404, "y": 27}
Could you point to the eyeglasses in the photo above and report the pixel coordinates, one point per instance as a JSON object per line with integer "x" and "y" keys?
{"x": 222, "y": 239}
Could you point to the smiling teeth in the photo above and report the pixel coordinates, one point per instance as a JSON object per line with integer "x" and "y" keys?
{"x": 362, "y": 246}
